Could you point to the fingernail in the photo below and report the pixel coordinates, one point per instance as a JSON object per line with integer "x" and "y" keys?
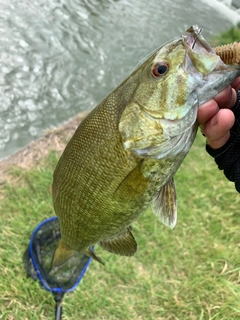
{"x": 214, "y": 120}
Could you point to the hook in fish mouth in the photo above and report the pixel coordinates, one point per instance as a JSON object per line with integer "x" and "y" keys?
{"x": 194, "y": 40}
{"x": 199, "y": 32}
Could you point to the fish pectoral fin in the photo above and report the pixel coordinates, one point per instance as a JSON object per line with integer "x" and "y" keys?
{"x": 164, "y": 205}
{"x": 62, "y": 253}
{"x": 133, "y": 185}
{"x": 123, "y": 244}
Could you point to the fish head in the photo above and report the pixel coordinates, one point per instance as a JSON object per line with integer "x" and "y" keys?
{"x": 160, "y": 118}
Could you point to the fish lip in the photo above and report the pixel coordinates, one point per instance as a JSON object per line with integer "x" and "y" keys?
{"x": 194, "y": 41}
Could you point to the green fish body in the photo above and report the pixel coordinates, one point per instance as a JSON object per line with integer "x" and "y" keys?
{"x": 123, "y": 156}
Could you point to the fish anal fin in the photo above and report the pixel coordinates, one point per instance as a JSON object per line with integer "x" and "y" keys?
{"x": 124, "y": 244}
{"x": 62, "y": 253}
{"x": 164, "y": 205}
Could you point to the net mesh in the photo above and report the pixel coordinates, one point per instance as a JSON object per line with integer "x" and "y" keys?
{"x": 38, "y": 258}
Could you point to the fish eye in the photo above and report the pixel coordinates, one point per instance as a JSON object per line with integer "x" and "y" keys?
{"x": 160, "y": 69}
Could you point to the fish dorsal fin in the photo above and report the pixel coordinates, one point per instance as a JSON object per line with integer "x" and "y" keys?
{"x": 62, "y": 253}
{"x": 164, "y": 205}
{"x": 123, "y": 244}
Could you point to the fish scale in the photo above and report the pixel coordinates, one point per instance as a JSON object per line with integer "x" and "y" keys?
{"x": 123, "y": 156}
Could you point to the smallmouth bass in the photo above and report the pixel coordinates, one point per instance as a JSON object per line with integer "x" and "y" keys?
{"x": 124, "y": 154}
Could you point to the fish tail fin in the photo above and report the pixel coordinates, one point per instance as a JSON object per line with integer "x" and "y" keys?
{"x": 62, "y": 253}
{"x": 92, "y": 255}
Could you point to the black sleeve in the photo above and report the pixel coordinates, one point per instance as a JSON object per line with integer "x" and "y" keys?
{"x": 228, "y": 156}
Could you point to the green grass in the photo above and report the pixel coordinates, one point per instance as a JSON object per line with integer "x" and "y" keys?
{"x": 192, "y": 272}
{"x": 227, "y": 37}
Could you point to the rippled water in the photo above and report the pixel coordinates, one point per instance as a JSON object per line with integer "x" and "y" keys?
{"x": 58, "y": 57}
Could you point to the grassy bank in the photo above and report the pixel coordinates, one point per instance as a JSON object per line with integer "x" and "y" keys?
{"x": 191, "y": 272}
{"x": 227, "y": 37}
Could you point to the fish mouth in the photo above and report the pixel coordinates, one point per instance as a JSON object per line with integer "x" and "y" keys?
{"x": 200, "y": 56}
{"x": 194, "y": 40}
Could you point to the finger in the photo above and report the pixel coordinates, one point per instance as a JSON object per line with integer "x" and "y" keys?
{"x": 217, "y": 129}
{"x": 220, "y": 142}
{"x": 236, "y": 83}
{"x": 226, "y": 98}
{"x": 206, "y": 111}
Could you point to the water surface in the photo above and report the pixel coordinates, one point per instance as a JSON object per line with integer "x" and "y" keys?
{"x": 60, "y": 57}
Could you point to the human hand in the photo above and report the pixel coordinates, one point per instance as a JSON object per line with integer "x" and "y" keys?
{"x": 219, "y": 120}
{"x": 216, "y": 118}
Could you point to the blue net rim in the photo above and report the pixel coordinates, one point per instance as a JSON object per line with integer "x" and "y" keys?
{"x": 39, "y": 275}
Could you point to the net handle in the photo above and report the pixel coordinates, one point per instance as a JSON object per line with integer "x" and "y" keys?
{"x": 58, "y": 311}
{"x": 58, "y": 296}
